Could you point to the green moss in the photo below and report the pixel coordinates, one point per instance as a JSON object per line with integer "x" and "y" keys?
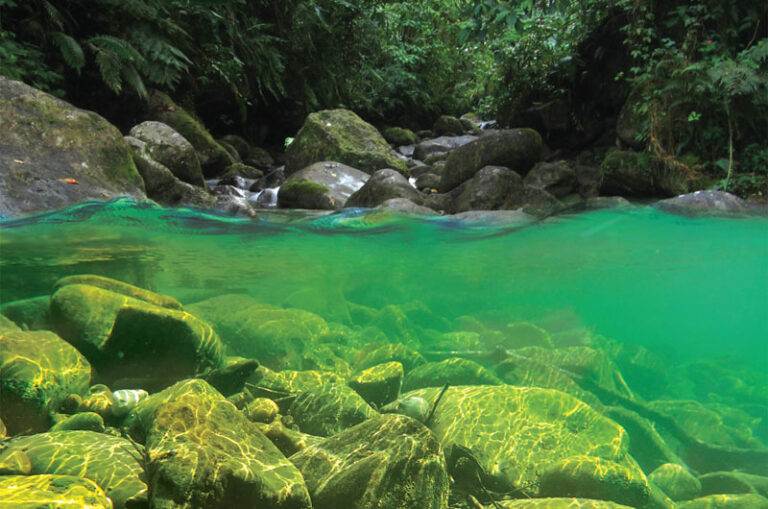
{"x": 626, "y": 160}
{"x": 676, "y": 482}
{"x": 29, "y": 314}
{"x": 52, "y": 491}
{"x": 399, "y": 136}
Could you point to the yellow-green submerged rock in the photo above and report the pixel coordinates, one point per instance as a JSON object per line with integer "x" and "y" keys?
{"x": 38, "y": 370}
{"x": 15, "y": 462}
{"x": 205, "y": 453}
{"x": 329, "y": 409}
{"x": 28, "y": 314}
{"x": 748, "y": 501}
{"x": 676, "y": 482}
{"x": 379, "y": 384}
{"x": 51, "y": 491}
{"x": 557, "y": 503}
{"x": 120, "y": 287}
{"x": 390, "y": 461}
{"x": 515, "y": 432}
{"x": 111, "y": 462}
{"x": 453, "y": 371}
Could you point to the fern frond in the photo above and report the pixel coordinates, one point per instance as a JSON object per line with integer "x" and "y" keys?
{"x": 70, "y": 50}
{"x": 120, "y": 48}
{"x": 109, "y": 67}
{"x": 133, "y": 79}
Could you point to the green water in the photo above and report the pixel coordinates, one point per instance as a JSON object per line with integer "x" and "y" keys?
{"x": 687, "y": 290}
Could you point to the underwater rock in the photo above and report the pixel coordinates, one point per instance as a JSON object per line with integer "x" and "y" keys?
{"x": 521, "y": 335}
{"x": 28, "y": 314}
{"x": 647, "y": 446}
{"x": 749, "y": 501}
{"x": 329, "y": 409}
{"x": 3, "y": 430}
{"x": 516, "y": 149}
{"x": 262, "y": 410}
{"x": 132, "y": 340}
{"x": 288, "y": 440}
{"x": 414, "y": 407}
{"x": 340, "y": 135}
{"x": 514, "y": 432}
{"x": 556, "y": 503}
{"x": 83, "y": 421}
{"x": 111, "y": 462}
{"x": 38, "y": 370}
{"x": 231, "y": 378}
{"x": 272, "y": 384}
{"x": 390, "y": 352}
{"x": 405, "y": 206}
{"x": 717, "y": 483}
{"x": 125, "y": 400}
{"x": 676, "y": 481}
{"x": 388, "y": 461}
{"x": 99, "y": 400}
{"x": 6, "y": 324}
{"x": 276, "y": 337}
{"x": 595, "y": 478}
{"x": 379, "y": 384}
{"x": 114, "y": 285}
{"x": 206, "y": 453}
{"x": 14, "y": 462}
{"x": 60, "y": 491}
{"x": 55, "y": 155}
{"x": 453, "y": 371}
{"x": 326, "y": 357}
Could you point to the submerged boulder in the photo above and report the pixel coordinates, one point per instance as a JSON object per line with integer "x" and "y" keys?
{"x": 171, "y": 149}
{"x": 325, "y": 185}
{"x": 676, "y": 482}
{"x": 111, "y": 462}
{"x": 516, "y": 149}
{"x": 59, "y": 491}
{"x": 38, "y": 370}
{"x": 53, "y": 154}
{"x": 440, "y": 145}
{"x": 382, "y": 186}
{"x": 120, "y": 287}
{"x": 556, "y": 503}
{"x": 329, "y": 409}
{"x": 453, "y": 371}
{"x": 515, "y": 433}
{"x": 379, "y": 384}
{"x": 205, "y": 453}
{"x": 340, "y": 135}
{"x": 28, "y": 314}
{"x": 388, "y": 461}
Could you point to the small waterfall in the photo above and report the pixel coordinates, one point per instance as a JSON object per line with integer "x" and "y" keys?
{"x": 266, "y": 198}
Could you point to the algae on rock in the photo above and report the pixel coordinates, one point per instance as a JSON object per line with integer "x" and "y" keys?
{"x": 59, "y": 491}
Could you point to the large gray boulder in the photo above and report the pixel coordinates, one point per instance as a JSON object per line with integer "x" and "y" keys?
{"x": 161, "y": 184}
{"x": 171, "y": 149}
{"x": 325, "y": 185}
{"x": 440, "y": 145}
{"x": 53, "y": 154}
{"x": 340, "y": 135}
{"x": 517, "y": 149}
{"x": 706, "y": 203}
{"x": 382, "y": 186}
{"x": 557, "y": 178}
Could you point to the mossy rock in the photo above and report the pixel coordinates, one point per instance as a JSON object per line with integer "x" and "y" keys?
{"x": 595, "y": 478}
{"x": 241, "y": 146}
{"x": 628, "y": 173}
{"x": 325, "y": 357}
{"x": 329, "y": 409}
{"x": 400, "y": 136}
{"x": 47, "y": 141}
{"x": 213, "y": 157}
{"x": 206, "y": 453}
{"x": 386, "y": 462}
{"x": 714, "y": 483}
{"x": 380, "y": 384}
{"x": 342, "y": 136}
{"x": 240, "y": 170}
{"x": 83, "y": 421}
{"x": 515, "y": 432}
{"x": 38, "y": 370}
{"x": 521, "y": 335}
{"x": 305, "y": 194}
{"x": 28, "y": 314}
{"x": 289, "y": 382}
{"x": 276, "y": 337}
{"x": 261, "y": 410}
{"x": 557, "y": 503}
{"x": 132, "y": 340}
{"x": 113, "y": 285}
{"x": 6, "y": 324}
{"x": 171, "y": 149}
{"x": 647, "y": 446}
{"x": 748, "y": 501}
{"x": 447, "y": 125}
{"x": 676, "y": 481}
{"x": 54, "y": 491}
{"x": 111, "y": 462}
{"x": 389, "y": 352}
{"x": 260, "y": 158}
{"x": 453, "y": 371}
{"x": 14, "y": 462}
{"x": 288, "y": 440}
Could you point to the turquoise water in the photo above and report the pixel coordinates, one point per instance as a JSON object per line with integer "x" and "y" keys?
{"x": 686, "y": 286}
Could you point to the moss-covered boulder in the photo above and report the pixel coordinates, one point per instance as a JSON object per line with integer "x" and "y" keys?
{"x": 28, "y": 314}
{"x": 134, "y": 341}
{"x": 676, "y": 482}
{"x": 113, "y": 285}
{"x": 287, "y": 439}
{"x": 595, "y": 478}
{"x": 384, "y": 185}
{"x": 261, "y": 410}
{"x": 386, "y": 462}
{"x": 111, "y": 462}
{"x": 647, "y": 445}
{"x": 290, "y": 381}
{"x": 379, "y": 384}
{"x": 733, "y": 482}
{"x": 14, "y": 462}
{"x": 82, "y": 421}
{"x": 276, "y": 337}
{"x": 171, "y": 149}
{"x": 516, "y": 149}
{"x": 54, "y": 154}
{"x": 38, "y": 370}
{"x": 748, "y": 501}
{"x": 453, "y": 371}
{"x": 54, "y": 491}
{"x": 205, "y": 453}
{"x": 514, "y": 433}
{"x": 639, "y": 174}
{"x": 340, "y": 135}
{"x": 390, "y": 352}
{"x": 8, "y": 324}
{"x": 214, "y": 158}
{"x": 324, "y": 185}
{"x": 329, "y": 409}
{"x": 400, "y": 136}
{"x": 556, "y": 503}
{"x": 447, "y": 125}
